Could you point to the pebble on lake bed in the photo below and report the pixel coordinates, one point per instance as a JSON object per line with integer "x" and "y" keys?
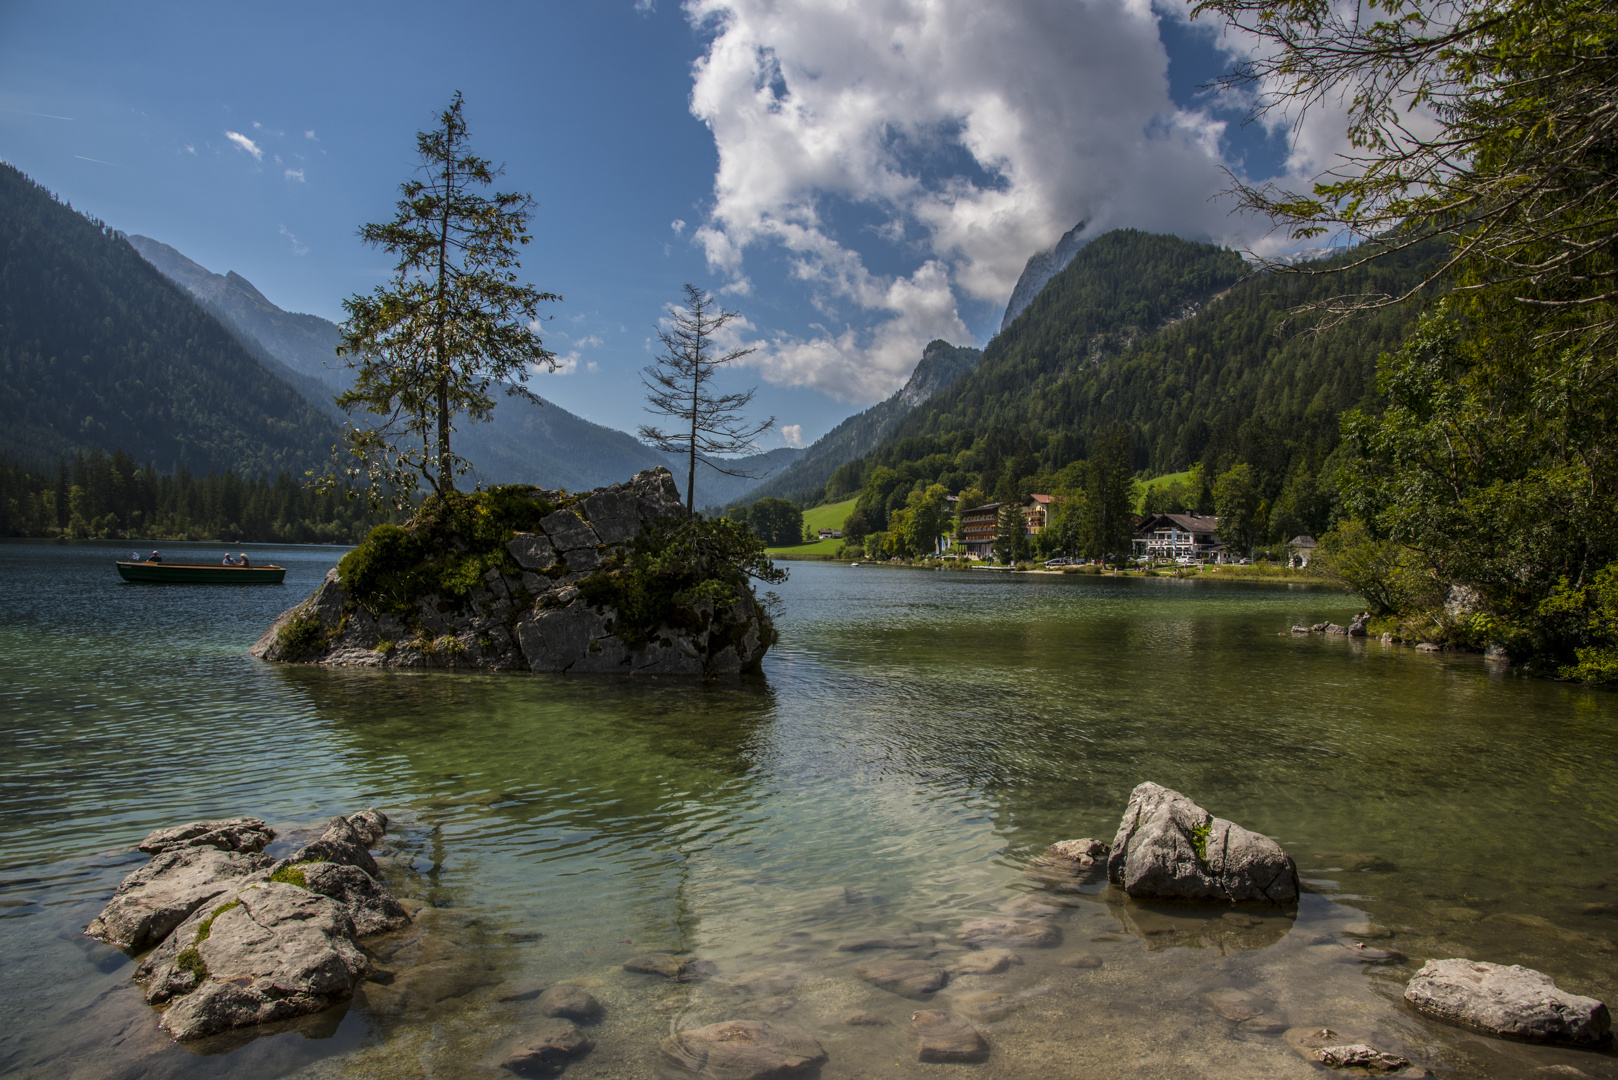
{"x": 907, "y": 978}
{"x": 670, "y": 966}
{"x": 944, "y": 1037}
{"x": 548, "y": 1049}
{"x": 1015, "y": 933}
{"x": 743, "y": 1050}
{"x": 570, "y": 1003}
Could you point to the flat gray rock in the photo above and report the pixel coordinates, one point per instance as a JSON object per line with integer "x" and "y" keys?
{"x": 548, "y": 1048}
{"x": 613, "y": 514}
{"x": 944, "y": 1037}
{"x": 341, "y": 843}
{"x": 869, "y": 944}
{"x": 248, "y": 834}
{"x": 1169, "y": 848}
{"x": 742, "y": 1050}
{"x": 1510, "y": 1001}
{"x": 907, "y": 978}
{"x": 570, "y": 1003}
{"x": 1359, "y": 1056}
{"x": 533, "y": 551}
{"x": 1011, "y": 933}
{"x": 568, "y": 532}
{"x": 161, "y": 895}
{"x": 279, "y": 952}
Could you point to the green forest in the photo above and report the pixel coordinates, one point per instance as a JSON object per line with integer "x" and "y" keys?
{"x": 109, "y": 496}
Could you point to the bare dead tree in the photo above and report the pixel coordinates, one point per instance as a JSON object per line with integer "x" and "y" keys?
{"x": 678, "y": 385}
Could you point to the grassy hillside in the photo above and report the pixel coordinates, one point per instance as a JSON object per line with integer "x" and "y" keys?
{"x": 826, "y": 516}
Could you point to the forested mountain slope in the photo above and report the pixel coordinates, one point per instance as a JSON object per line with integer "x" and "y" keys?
{"x": 100, "y": 351}
{"x": 940, "y": 366}
{"x": 1202, "y": 361}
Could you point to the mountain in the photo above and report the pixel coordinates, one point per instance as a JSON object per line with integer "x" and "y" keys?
{"x": 806, "y": 478}
{"x": 1202, "y": 361}
{"x": 1039, "y": 270}
{"x": 523, "y": 443}
{"x": 99, "y": 351}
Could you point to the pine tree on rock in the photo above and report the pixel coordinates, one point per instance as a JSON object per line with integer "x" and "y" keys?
{"x": 454, "y": 320}
{"x": 679, "y": 386}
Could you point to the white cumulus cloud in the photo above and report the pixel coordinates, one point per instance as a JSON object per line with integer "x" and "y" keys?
{"x": 976, "y": 134}
{"x": 295, "y": 174}
{"x": 793, "y": 434}
{"x": 246, "y": 144}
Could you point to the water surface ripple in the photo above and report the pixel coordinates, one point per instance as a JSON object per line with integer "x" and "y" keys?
{"x": 914, "y": 738}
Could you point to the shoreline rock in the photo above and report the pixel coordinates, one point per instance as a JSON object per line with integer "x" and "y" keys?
{"x": 238, "y": 938}
{"x": 1508, "y": 1001}
{"x": 1169, "y": 848}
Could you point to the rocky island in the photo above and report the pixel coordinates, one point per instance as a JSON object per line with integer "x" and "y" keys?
{"x": 519, "y": 578}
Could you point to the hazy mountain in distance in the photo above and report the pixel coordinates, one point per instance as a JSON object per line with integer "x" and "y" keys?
{"x": 523, "y": 444}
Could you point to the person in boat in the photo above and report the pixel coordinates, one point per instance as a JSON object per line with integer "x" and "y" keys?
{"x": 154, "y": 557}
{"x": 229, "y": 560}
{"x": 242, "y": 560}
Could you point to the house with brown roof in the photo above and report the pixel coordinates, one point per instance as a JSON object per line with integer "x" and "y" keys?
{"x": 978, "y": 525}
{"x": 1036, "y": 513}
{"x": 1175, "y": 536}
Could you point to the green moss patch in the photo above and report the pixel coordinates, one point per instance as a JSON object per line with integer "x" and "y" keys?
{"x": 207, "y": 924}
{"x": 291, "y": 875}
{"x": 1199, "y": 841}
{"x": 300, "y": 636}
{"x": 673, "y": 565}
{"x": 191, "y": 960}
{"x": 446, "y": 548}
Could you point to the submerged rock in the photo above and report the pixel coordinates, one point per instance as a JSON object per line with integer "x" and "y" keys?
{"x": 1511, "y": 1001}
{"x": 1359, "y": 1056}
{"x": 548, "y": 1049}
{"x": 1169, "y": 848}
{"x": 670, "y": 966}
{"x": 570, "y": 1003}
{"x": 277, "y": 952}
{"x": 743, "y": 1050}
{"x": 944, "y": 1037}
{"x": 1012, "y": 932}
{"x": 907, "y": 978}
{"x": 983, "y": 962}
{"x": 545, "y": 600}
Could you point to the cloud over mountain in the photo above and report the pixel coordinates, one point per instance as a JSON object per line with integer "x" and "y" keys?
{"x": 975, "y": 135}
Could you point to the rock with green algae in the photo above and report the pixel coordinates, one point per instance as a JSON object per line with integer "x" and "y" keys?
{"x": 566, "y": 593}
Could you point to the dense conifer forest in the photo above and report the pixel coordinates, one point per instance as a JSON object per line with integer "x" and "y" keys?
{"x": 110, "y": 496}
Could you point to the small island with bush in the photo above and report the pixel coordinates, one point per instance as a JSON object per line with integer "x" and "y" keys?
{"x": 519, "y": 578}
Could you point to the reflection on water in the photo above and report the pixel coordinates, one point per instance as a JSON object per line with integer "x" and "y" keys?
{"x": 915, "y": 738}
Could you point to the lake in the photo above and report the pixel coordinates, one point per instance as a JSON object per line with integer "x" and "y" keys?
{"x": 913, "y": 740}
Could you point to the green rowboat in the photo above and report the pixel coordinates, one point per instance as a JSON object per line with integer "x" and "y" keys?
{"x": 168, "y": 573}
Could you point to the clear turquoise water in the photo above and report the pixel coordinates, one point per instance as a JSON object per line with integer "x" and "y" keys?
{"x": 913, "y": 739}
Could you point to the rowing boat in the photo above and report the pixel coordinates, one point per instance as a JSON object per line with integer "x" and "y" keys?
{"x": 168, "y": 573}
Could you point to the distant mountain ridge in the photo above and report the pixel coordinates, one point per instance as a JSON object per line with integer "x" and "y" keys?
{"x": 99, "y": 351}
{"x": 523, "y": 444}
{"x": 940, "y": 366}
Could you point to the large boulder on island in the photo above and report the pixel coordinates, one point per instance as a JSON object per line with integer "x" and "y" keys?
{"x": 518, "y": 578}
{"x": 1510, "y": 1001}
{"x": 1169, "y": 848}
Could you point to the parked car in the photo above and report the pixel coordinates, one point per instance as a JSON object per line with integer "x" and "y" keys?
{"x": 1059, "y": 561}
{"x": 1186, "y": 560}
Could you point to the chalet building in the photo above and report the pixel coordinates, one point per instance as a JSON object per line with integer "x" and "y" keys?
{"x": 1175, "y": 536}
{"x": 978, "y": 524}
{"x": 1036, "y": 512}
{"x": 831, "y": 534}
{"x": 1300, "y": 549}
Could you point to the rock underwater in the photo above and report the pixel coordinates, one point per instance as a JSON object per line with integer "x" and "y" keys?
{"x": 241, "y": 938}
{"x": 553, "y": 597}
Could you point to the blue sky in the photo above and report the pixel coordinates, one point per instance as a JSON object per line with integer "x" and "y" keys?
{"x": 855, "y": 179}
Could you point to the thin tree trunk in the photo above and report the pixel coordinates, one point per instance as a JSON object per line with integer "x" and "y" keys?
{"x": 446, "y": 471}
